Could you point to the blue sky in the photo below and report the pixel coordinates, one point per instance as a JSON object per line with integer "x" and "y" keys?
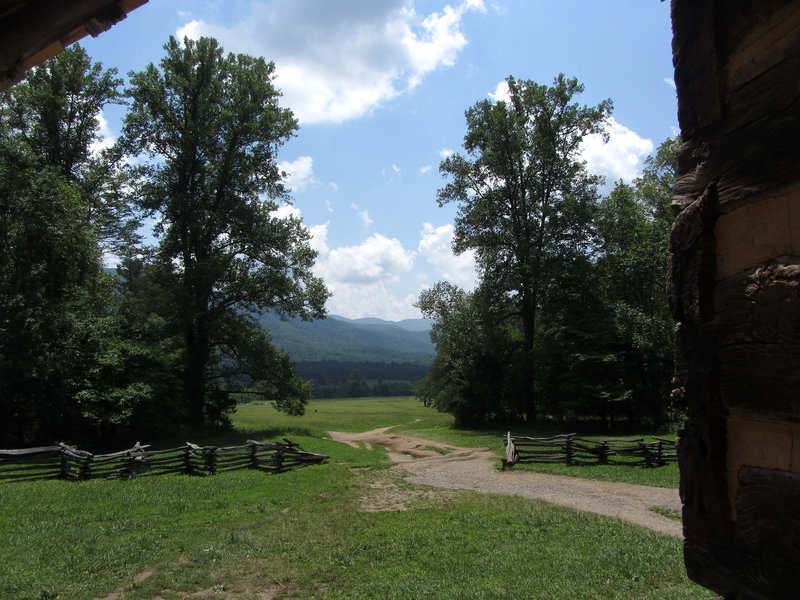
{"x": 380, "y": 89}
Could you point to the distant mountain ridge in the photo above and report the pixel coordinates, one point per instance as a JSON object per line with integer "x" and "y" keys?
{"x": 352, "y": 340}
{"x": 407, "y": 324}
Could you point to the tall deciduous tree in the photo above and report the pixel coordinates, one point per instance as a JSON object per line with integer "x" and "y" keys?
{"x": 55, "y": 116}
{"x": 633, "y": 227}
{"x": 476, "y": 368}
{"x": 524, "y": 195}
{"x": 61, "y": 205}
{"x": 213, "y": 126}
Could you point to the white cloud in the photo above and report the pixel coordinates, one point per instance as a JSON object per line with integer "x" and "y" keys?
{"x": 356, "y": 275}
{"x": 670, "y": 82}
{"x": 106, "y": 136}
{"x": 357, "y": 301}
{"x": 334, "y": 186}
{"x": 337, "y": 61}
{"x": 446, "y": 152}
{"x": 319, "y": 238}
{"x": 424, "y": 169}
{"x": 319, "y": 233}
{"x": 436, "y": 245}
{"x": 621, "y": 158}
{"x": 395, "y": 168}
{"x": 285, "y": 211}
{"x": 441, "y": 39}
{"x": 362, "y": 214}
{"x": 376, "y": 259}
{"x": 299, "y": 173}
{"x": 501, "y": 93}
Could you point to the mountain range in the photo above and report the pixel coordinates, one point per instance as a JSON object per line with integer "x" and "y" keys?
{"x": 352, "y": 340}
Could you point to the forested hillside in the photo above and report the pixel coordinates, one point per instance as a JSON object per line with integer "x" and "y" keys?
{"x": 339, "y": 339}
{"x": 346, "y": 357}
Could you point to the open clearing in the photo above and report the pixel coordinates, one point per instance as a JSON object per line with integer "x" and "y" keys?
{"x": 377, "y": 520}
{"x": 475, "y": 469}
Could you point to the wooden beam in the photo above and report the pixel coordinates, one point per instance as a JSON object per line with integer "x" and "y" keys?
{"x": 32, "y": 32}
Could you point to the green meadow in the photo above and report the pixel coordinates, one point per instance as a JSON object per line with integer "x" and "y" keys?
{"x": 304, "y": 534}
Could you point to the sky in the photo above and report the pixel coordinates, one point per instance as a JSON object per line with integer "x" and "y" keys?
{"x": 380, "y": 88}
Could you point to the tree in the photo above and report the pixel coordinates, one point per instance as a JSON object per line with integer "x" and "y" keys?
{"x": 54, "y": 115}
{"x": 61, "y": 201}
{"x": 213, "y": 126}
{"x": 525, "y": 198}
{"x": 604, "y": 345}
{"x": 475, "y": 375}
{"x": 634, "y": 226}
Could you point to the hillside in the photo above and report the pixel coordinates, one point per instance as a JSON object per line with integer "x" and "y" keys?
{"x": 355, "y": 357}
{"x": 345, "y": 340}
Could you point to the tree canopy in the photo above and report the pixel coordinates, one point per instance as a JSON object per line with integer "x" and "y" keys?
{"x": 174, "y": 338}
{"x": 524, "y": 197}
{"x": 214, "y": 123}
{"x": 569, "y": 318}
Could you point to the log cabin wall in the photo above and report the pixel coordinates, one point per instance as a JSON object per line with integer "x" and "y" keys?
{"x": 735, "y": 291}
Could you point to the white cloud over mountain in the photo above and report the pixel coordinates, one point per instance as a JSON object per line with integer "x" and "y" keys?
{"x": 337, "y": 61}
{"x": 356, "y": 301}
{"x": 436, "y": 245}
{"x": 376, "y": 259}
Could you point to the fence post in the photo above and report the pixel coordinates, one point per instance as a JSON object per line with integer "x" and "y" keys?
{"x": 86, "y": 467}
{"x": 569, "y": 451}
{"x": 64, "y": 463}
{"x": 253, "y": 448}
{"x": 603, "y": 455}
{"x": 648, "y": 455}
{"x": 211, "y": 459}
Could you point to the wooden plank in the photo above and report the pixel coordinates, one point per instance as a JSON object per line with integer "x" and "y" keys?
{"x": 28, "y": 451}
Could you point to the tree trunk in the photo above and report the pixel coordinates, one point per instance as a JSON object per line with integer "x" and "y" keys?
{"x": 197, "y": 356}
{"x": 528, "y": 330}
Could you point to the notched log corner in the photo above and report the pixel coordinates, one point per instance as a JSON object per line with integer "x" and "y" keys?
{"x": 692, "y": 269}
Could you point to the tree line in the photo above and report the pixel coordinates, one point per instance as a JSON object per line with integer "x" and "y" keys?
{"x": 173, "y": 339}
{"x": 353, "y": 379}
{"x": 569, "y": 319}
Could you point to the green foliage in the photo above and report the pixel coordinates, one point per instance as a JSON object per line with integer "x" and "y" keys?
{"x": 174, "y": 338}
{"x": 474, "y": 375}
{"x": 214, "y": 123}
{"x": 60, "y": 206}
{"x": 570, "y": 319}
{"x": 525, "y": 201}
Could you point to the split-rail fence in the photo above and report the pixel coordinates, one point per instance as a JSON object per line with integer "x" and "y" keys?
{"x": 573, "y": 450}
{"x": 65, "y": 462}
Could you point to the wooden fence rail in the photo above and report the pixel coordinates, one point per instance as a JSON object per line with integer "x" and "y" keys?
{"x": 573, "y": 450}
{"x": 66, "y": 462}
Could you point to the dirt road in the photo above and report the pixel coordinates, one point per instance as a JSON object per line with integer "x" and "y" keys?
{"x": 475, "y": 469}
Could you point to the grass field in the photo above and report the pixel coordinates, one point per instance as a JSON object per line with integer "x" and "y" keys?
{"x": 248, "y": 536}
{"x": 363, "y": 414}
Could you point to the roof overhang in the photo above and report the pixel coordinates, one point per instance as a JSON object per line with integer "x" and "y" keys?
{"x": 31, "y": 31}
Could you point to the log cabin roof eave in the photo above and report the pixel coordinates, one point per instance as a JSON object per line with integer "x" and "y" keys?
{"x": 32, "y": 31}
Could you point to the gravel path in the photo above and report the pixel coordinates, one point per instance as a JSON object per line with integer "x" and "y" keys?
{"x": 475, "y": 469}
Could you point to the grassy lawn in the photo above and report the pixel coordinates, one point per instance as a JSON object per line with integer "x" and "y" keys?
{"x": 246, "y": 535}
{"x": 363, "y": 414}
